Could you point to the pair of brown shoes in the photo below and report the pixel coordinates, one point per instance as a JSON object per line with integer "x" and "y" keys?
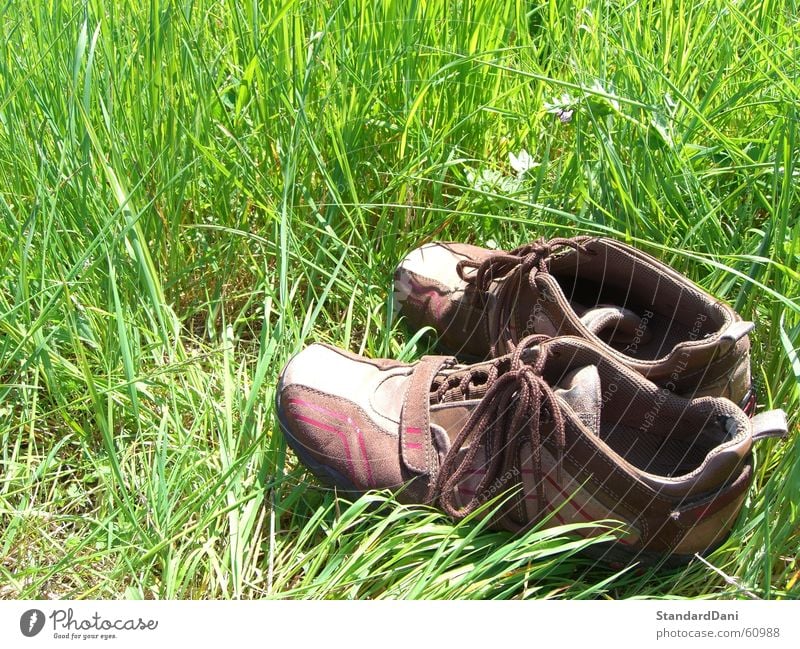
{"x": 606, "y": 386}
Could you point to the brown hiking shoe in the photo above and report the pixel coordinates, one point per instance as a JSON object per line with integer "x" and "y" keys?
{"x": 572, "y": 434}
{"x": 647, "y": 315}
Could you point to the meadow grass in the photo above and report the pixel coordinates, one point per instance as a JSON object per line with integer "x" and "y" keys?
{"x": 191, "y": 191}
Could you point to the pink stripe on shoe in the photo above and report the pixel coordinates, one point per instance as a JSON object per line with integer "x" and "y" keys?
{"x": 363, "y": 447}
{"x": 318, "y": 408}
{"x": 341, "y": 417}
{"x": 569, "y": 499}
{"x": 343, "y": 439}
{"x": 318, "y": 424}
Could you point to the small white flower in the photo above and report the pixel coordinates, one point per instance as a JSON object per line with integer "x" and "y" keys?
{"x": 558, "y": 104}
{"x": 562, "y": 107}
{"x": 565, "y": 116}
{"x": 521, "y": 162}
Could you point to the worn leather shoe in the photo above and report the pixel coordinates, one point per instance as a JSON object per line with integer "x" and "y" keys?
{"x": 563, "y": 428}
{"x": 638, "y": 310}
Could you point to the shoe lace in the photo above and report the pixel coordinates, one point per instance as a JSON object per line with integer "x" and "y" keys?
{"x": 510, "y": 410}
{"x": 528, "y": 260}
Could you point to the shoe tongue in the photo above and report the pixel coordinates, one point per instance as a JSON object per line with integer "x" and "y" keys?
{"x": 614, "y": 323}
{"x": 580, "y": 389}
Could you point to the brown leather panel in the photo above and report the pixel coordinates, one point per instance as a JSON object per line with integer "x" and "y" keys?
{"x": 416, "y": 443}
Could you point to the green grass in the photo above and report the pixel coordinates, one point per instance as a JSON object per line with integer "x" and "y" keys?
{"x": 191, "y": 191}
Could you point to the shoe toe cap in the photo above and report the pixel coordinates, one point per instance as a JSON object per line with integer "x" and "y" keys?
{"x": 428, "y": 277}
{"x": 325, "y": 409}
{"x": 432, "y": 263}
{"x": 301, "y": 402}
